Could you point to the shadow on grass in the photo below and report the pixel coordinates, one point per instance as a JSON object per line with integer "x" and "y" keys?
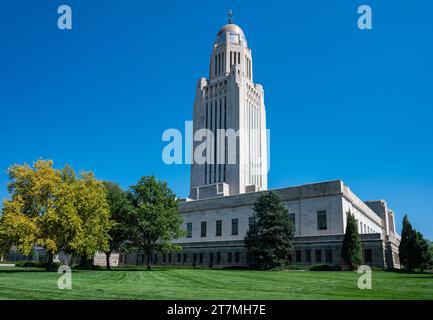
{"x": 418, "y": 276}
{"x": 22, "y": 270}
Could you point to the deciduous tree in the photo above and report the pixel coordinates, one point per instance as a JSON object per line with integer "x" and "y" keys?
{"x": 120, "y": 214}
{"x": 54, "y": 209}
{"x": 155, "y": 217}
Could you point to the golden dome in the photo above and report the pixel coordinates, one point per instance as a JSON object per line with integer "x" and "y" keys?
{"x": 232, "y": 28}
{"x": 235, "y": 35}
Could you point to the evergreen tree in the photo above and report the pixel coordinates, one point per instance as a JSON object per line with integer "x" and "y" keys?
{"x": 351, "y": 250}
{"x": 423, "y": 250}
{"x": 415, "y": 250}
{"x": 270, "y": 240}
{"x": 406, "y": 242}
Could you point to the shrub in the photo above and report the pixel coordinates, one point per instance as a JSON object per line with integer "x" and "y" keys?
{"x": 30, "y": 264}
{"x": 296, "y": 267}
{"x": 325, "y": 267}
{"x": 34, "y": 264}
{"x": 376, "y": 269}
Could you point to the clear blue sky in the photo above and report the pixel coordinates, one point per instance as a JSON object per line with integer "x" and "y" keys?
{"x": 341, "y": 103}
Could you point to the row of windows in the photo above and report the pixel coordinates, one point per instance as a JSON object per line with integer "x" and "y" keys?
{"x": 216, "y": 118}
{"x": 307, "y": 255}
{"x": 219, "y": 63}
{"x": 363, "y": 228}
{"x": 218, "y": 228}
{"x": 318, "y": 256}
{"x": 322, "y": 220}
{"x": 215, "y": 89}
{"x": 322, "y": 224}
{"x": 248, "y": 67}
{"x": 252, "y": 91}
{"x": 252, "y": 123}
{"x": 235, "y": 58}
{"x": 197, "y": 258}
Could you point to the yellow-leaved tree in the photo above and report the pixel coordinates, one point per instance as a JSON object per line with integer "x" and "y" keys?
{"x": 54, "y": 209}
{"x": 93, "y": 209}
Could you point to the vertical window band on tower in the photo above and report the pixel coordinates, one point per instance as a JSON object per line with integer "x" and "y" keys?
{"x": 216, "y": 63}
{"x": 207, "y": 127}
{"x": 215, "y": 141}
{"x": 219, "y": 147}
{"x": 225, "y": 137}
{"x": 210, "y": 153}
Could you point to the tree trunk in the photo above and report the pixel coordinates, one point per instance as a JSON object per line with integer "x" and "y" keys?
{"x": 85, "y": 262}
{"x": 149, "y": 258}
{"x": 50, "y": 261}
{"x": 108, "y": 255}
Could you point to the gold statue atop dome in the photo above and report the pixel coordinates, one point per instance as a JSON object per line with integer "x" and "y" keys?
{"x": 230, "y": 15}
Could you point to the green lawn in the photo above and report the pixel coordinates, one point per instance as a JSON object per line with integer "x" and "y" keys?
{"x": 22, "y": 283}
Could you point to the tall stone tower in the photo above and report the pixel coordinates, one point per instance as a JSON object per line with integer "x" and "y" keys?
{"x": 229, "y": 102}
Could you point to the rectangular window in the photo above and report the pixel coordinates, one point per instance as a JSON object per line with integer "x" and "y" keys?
{"x": 211, "y": 258}
{"x": 219, "y": 127}
{"x": 169, "y": 258}
{"x": 203, "y": 229}
{"x": 236, "y": 257}
{"x": 207, "y": 127}
{"x": 229, "y": 257}
{"x": 319, "y": 256}
{"x": 164, "y": 258}
{"x": 189, "y": 230}
{"x": 218, "y": 230}
{"x": 184, "y": 257}
{"x": 194, "y": 258}
{"x": 251, "y": 222}
{"x": 235, "y": 224}
{"x": 329, "y": 256}
{"x": 215, "y": 68}
{"x": 298, "y": 256}
{"x": 292, "y": 218}
{"x": 368, "y": 256}
{"x": 218, "y": 258}
{"x": 201, "y": 258}
{"x": 308, "y": 256}
{"x": 322, "y": 220}
{"x": 179, "y": 258}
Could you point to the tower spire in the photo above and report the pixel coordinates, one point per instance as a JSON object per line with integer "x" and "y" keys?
{"x": 230, "y": 16}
